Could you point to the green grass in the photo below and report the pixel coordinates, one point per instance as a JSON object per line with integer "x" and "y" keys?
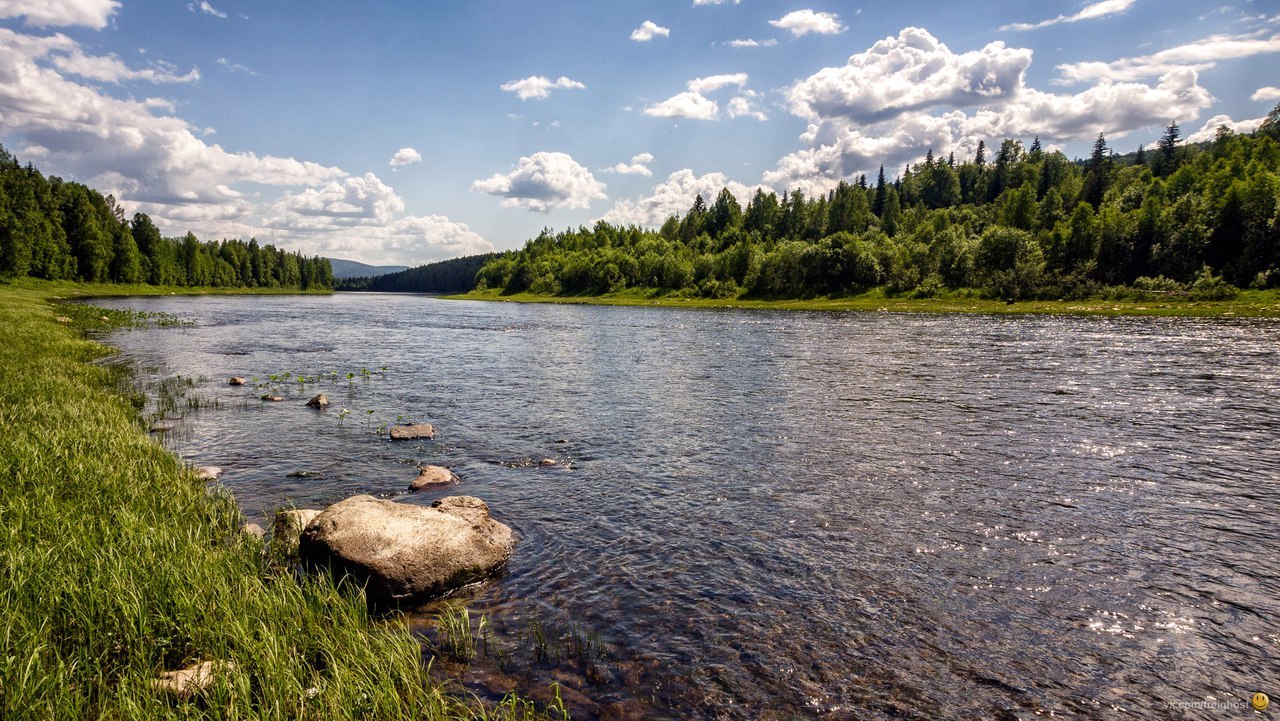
{"x": 116, "y": 564}
{"x": 1249, "y": 304}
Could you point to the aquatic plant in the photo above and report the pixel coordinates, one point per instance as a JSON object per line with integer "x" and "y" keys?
{"x": 454, "y": 637}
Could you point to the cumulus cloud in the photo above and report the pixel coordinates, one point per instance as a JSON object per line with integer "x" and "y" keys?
{"x": 204, "y": 7}
{"x": 405, "y": 156}
{"x": 544, "y": 181}
{"x": 803, "y": 22}
{"x": 638, "y": 165}
{"x": 685, "y": 105}
{"x": 539, "y": 87}
{"x": 61, "y": 13}
{"x": 696, "y": 106}
{"x": 1090, "y": 12}
{"x": 712, "y": 83}
{"x": 877, "y": 108}
{"x": 1209, "y": 130}
{"x": 1267, "y": 93}
{"x": 1199, "y": 55}
{"x": 648, "y": 30}
{"x": 159, "y": 164}
{"x": 674, "y": 196}
{"x": 752, "y": 43}
{"x": 743, "y": 106}
{"x": 908, "y": 73}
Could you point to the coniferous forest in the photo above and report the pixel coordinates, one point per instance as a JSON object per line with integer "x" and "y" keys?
{"x": 59, "y": 230}
{"x": 1012, "y": 222}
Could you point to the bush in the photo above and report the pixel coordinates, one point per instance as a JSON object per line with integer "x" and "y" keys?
{"x": 1211, "y": 287}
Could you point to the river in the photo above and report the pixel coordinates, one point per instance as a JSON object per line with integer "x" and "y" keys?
{"x": 769, "y": 515}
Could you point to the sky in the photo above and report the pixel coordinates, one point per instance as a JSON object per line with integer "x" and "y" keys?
{"x": 407, "y": 132}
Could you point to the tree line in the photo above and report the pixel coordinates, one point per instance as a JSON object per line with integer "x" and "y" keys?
{"x": 1024, "y": 223}
{"x": 457, "y": 275}
{"x": 59, "y": 230}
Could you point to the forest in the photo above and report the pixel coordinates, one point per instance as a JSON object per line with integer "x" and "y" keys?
{"x": 1021, "y": 222}
{"x": 457, "y": 275}
{"x": 59, "y": 230}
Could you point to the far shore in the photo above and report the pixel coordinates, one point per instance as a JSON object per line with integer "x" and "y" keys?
{"x": 1248, "y": 304}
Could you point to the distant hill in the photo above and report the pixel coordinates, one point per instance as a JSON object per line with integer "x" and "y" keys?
{"x": 352, "y": 269}
{"x": 447, "y": 276}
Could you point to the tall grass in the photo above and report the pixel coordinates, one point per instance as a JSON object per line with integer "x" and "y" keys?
{"x": 117, "y": 564}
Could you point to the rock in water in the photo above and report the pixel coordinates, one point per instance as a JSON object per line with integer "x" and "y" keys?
{"x": 405, "y": 552}
{"x": 320, "y": 401}
{"x": 288, "y": 528}
{"x": 418, "y": 430}
{"x": 433, "y": 477}
{"x": 236, "y": 381}
{"x": 271, "y": 398}
{"x": 208, "y": 473}
{"x": 164, "y": 425}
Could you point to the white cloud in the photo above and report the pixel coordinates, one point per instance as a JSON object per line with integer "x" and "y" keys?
{"x": 876, "y": 108}
{"x": 1090, "y": 12}
{"x": 713, "y": 83}
{"x": 685, "y": 105}
{"x": 405, "y": 156}
{"x": 909, "y": 73}
{"x": 346, "y": 203}
{"x": 1209, "y": 130}
{"x": 803, "y": 22}
{"x": 743, "y": 106}
{"x": 1199, "y": 55}
{"x": 674, "y": 196}
{"x": 696, "y": 106}
{"x": 1267, "y": 93}
{"x": 236, "y": 67}
{"x": 110, "y": 69}
{"x": 158, "y": 164}
{"x": 544, "y": 181}
{"x": 204, "y": 7}
{"x": 647, "y": 30}
{"x": 715, "y": 2}
{"x": 61, "y": 13}
{"x": 638, "y": 165}
{"x": 539, "y": 87}
{"x": 752, "y": 43}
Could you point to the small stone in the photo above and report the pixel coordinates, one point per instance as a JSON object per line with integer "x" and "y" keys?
{"x": 320, "y": 401}
{"x": 418, "y": 430}
{"x": 433, "y": 477}
{"x": 163, "y": 425}
{"x": 548, "y": 462}
{"x": 236, "y": 381}
{"x": 253, "y": 529}
{"x": 288, "y": 528}
{"x": 273, "y": 399}
{"x": 208, "y": 473}
{"x": 192, "y": 680}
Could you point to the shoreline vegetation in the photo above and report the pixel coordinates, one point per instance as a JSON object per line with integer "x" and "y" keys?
{"x": 121, "y": 565}
{"x": 1246, "y": 304}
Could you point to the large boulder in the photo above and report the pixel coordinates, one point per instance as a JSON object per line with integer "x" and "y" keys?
{"x": 417, "y": 430}
{"x": 404, "y": 552}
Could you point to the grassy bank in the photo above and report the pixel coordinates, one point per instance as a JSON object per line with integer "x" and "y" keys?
{"x": 1249, "y": 304}
{"x": 117, "y": 564}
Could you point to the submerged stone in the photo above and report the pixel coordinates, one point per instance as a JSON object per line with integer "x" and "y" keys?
{"x": 433, "y": 477}
{"x": 417, "y": 430}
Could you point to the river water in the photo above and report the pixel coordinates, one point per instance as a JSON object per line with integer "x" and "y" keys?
{"x": 768, "y": 515}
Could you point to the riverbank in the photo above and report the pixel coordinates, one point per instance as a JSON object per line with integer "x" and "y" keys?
{"x": 119, "y": 564}
{"x": 1248, "y": 304}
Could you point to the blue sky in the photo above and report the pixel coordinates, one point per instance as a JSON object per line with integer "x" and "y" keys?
{"x": 405, "y": 132}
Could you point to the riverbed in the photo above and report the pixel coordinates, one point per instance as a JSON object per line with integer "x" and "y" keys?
{"x": 759, "y": 514}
